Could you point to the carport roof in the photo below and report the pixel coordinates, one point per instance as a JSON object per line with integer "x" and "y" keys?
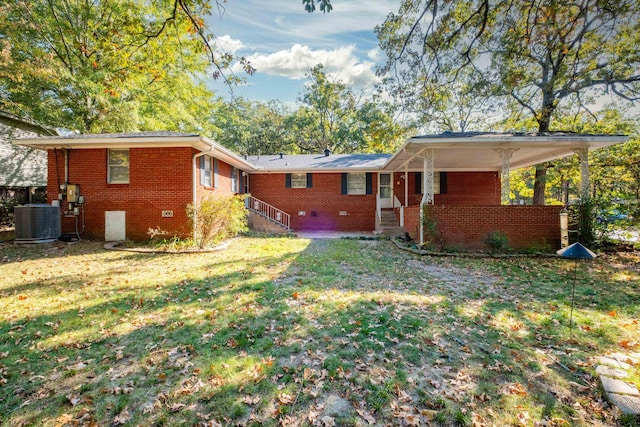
{"x": 477, "y": 151}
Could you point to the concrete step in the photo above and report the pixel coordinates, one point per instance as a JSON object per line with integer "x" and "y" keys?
{"x": 392, "y": 231}
{"x": 262, "y": 224}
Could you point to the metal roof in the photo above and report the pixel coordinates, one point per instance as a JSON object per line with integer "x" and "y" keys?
{"x": 138, "y": 140}
{"x": 469, "y": 151}
{"x": 319, "y": 162}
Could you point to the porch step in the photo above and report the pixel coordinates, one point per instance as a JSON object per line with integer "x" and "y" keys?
{"x": 392, "y": 231}
{"x": 388, "y": 219}
{"x": 389, "y": 224}
{"x": 262, "y": 224}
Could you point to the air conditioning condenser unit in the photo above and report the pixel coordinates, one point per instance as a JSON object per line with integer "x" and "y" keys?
{"x": 37, "y": 223}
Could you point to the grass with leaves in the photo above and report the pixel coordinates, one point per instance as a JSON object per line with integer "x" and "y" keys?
{"x": 286, "y": 331}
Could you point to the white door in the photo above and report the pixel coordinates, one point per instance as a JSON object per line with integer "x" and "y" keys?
{"x": 115, "y": 228}
{"x": 385, "y": 189}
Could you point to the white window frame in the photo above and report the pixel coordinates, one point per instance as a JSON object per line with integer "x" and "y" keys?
{"x": 205, "y": 171}
{"x": 234, "y": 179}
{"x": 298, "y": 180}
{"x": 353, "y": 185}
{"x": 110, "y": 165}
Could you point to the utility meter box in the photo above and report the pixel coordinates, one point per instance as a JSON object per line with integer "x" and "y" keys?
{"x": 72, "y": 193}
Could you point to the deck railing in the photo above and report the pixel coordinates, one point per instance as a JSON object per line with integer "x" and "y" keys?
{"x": 271, "y": 212}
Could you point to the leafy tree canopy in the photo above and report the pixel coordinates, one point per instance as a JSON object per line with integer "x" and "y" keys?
{"x": 536, "y": 52}
{"x": 108, "y": 66}
{"x": 333, "y": 116}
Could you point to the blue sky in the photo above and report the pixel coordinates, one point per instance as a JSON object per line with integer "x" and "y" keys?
{"x": 283, "y": 42}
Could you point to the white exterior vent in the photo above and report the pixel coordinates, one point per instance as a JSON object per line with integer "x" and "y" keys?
{"x": 37, "y": 223}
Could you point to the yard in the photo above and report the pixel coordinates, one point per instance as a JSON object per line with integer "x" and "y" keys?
{"x": 286, "y": 331}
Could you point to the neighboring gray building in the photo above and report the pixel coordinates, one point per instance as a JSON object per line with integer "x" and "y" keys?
{"x": 23, "y": 171}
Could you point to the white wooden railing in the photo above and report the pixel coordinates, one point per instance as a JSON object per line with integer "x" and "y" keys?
{"x": 378, "y": 211}
{"x": 396, "y": 202}
{"x": 268, "y": 211}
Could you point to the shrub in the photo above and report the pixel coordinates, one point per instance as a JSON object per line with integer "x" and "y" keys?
{"x": 498, "y": 242}
{"x": 217, "y": 218}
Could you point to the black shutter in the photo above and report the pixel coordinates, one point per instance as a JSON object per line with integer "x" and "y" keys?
{"x": 309, "y": 181}
{"x": 418, "y": 182}
{"x": 202, "y": 181}
{"x": 443, "y": 183}
{"x": 369, "y": 177}
{"x": 344, "y": 183}
{"x": 215, "y": 173}
{"x": 287, "y": 180}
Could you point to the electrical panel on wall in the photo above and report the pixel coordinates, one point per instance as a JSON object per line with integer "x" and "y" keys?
{"x": 72, "y": 193}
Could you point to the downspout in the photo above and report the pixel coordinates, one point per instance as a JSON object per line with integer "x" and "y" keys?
{"x": 66, "y": 166}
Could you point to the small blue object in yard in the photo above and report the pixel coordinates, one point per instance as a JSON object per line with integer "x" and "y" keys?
{"x": 575, "y": 251}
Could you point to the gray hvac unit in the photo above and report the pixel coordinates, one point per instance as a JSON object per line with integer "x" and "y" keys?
{"x": 37, "y": 223}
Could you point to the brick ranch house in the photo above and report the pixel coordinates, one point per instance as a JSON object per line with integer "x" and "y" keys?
{"x": 117, "y": 186}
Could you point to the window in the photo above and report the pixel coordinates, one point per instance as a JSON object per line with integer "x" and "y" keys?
{"x": 356, "y": 183}
{"x": 439, "y": 182}
{"x": 205, "y": 171}
{"x": 118, "y": 170}
{"x": 298, "y": 180}
{"x": 234, "y": 180}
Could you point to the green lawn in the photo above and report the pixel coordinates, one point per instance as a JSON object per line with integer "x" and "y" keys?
{"x": 284, "y": 331}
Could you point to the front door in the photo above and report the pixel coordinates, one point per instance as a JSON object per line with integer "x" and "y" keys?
{"x": 385, "y": 190}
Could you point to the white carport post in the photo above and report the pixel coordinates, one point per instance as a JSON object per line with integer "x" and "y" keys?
{"x": 505, "y": 180}
{"x": 427, "y": 188}
{"x": 583, "y": 155}
{"x": 406, "y": 194}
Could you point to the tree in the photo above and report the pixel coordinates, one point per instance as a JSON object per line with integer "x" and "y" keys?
{"x": 332, "y": 116}
{"x": 107, "y": 66}
{"x": 540, "y": 54}
{"x": 252, "y": 127}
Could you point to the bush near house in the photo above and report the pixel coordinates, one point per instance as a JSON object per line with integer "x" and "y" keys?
{"x": 217, "y": 218}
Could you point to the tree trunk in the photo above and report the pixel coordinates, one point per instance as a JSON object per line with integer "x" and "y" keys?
{"x": 540, "y": 184}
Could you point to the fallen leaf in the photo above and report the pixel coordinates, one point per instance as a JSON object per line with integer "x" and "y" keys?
{"x": 251, "y": 400}
{"x": 285, "y": 399}
{"x": 328, "y": 421}
{"x": 517, "y": 388}
{"x": 613, "y": 313}
{"x": 122, "y": 417}
{"x": 74, "y": 399}
{"x": 629, "y": 345}
{"x": 176, "y": 407}
{"x": 370, "y": 419}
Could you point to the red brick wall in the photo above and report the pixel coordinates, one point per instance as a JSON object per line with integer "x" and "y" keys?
{"x": 469, "y": 226}
{"x": 158, "y": 180}
{"x": 224, "y": 180}
{"x": 324, "y": 198}
{"x": 463, "y": 189}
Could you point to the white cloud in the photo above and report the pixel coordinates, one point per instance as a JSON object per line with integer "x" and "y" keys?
{"x": 374, "y": 54}
{"x": 296, "y": 62}
{"x": 227, "y": 44}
